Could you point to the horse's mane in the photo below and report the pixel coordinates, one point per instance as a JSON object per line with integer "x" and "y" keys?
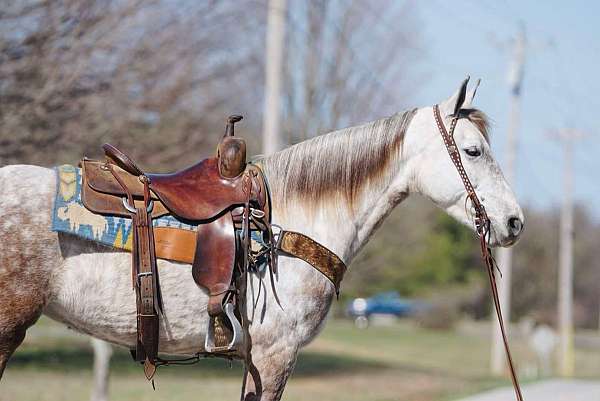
{"x": 338, "y": 164}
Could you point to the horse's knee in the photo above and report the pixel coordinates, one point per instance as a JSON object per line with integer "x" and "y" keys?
{"x": 267, "y": 375}
{"x": 17, "y": 314}
{"x": 9, "y": 341}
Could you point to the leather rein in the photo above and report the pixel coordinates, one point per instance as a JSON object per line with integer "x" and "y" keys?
{"x": 482, "y": 226}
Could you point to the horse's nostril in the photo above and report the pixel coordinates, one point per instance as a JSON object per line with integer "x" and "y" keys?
{"x": 515, "y": 225}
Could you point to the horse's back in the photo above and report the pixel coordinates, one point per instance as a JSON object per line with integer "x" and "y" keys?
{"x": 25, "y": 214}
{"x": 26, "y": 189}
{"x": 26, "y": 201}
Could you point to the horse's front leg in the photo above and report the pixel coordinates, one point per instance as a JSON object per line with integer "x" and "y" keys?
{"x": 267, "y": 372}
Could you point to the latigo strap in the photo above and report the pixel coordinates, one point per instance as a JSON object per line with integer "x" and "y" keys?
{"x": 145, "y": 279}
{"x": 482, "y": 225}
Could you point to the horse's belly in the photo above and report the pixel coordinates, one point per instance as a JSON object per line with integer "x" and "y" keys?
{"x": 92, "y": 293}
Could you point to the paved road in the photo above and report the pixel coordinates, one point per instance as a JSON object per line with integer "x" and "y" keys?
{"x": 548, "y": 390}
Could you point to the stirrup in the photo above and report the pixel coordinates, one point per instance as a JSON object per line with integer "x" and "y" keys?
{"x": 238, "y": 335}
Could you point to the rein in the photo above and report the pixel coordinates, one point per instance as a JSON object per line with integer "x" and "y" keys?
{"x": 482, "y": 226}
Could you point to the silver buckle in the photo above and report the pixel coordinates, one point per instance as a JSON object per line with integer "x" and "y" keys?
{"x": 276, "y": 234}
{"x": 256, "y": 213}
{"x": 133, "y": 210}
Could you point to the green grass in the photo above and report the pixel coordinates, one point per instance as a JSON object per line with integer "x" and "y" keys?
{"x": 395, "y": 362}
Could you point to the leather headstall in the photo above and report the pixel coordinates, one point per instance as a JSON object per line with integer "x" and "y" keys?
{"x": 482, "y": 227}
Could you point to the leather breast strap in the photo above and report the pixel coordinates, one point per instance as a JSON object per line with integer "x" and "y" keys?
{"x": 302, "y": 247}
{"x": 482, "y": 225}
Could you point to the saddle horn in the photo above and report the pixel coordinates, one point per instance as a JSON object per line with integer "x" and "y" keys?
{"x": 230, "y": 124}
{"x": 231, "y": 151}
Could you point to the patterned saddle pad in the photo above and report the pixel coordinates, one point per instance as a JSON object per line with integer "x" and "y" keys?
{"x": 70, "y": 216}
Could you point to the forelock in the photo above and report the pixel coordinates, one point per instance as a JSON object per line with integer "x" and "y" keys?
{"x": 479, "y": 119}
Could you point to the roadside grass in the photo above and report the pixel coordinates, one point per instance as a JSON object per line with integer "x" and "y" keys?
{"x": 394, "y": 362}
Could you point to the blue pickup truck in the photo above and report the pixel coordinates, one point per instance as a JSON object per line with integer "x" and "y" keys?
{"x": 386, "y": 303}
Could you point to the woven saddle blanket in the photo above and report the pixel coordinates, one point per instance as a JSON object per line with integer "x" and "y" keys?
{"x": 70, "y": 216}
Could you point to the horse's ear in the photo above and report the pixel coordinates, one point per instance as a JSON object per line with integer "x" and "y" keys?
{"x": 452, "y": 105}
{"x": 468, "y": 103}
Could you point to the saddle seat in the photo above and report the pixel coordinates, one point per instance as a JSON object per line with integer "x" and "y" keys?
{"x": 198, "y": 193}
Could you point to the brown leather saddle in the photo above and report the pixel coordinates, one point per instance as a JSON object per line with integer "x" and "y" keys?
{"x": 226, "y": 197}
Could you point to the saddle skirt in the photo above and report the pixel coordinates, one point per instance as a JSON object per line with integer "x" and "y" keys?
{"x": 175, "y": 239}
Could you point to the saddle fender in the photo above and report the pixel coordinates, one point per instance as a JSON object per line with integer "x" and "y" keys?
{"x": 214, "y": 260}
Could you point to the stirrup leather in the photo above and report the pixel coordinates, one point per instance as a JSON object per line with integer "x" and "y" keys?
{"x": 238, "y": 334}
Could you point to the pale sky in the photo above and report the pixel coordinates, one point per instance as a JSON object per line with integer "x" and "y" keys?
{"x": 561, "y": 86}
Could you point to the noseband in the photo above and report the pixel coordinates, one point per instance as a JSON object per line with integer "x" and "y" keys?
{"x": 482, "y": 227}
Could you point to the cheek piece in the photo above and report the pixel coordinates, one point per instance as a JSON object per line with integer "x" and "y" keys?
{"x": 482, "y": 227}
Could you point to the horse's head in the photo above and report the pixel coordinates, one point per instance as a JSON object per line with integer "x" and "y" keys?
{"x": 436, "y": 177}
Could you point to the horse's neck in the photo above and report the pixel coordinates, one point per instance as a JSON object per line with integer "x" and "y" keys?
{"x": 334, "y": 226}
{"x": 339, "y": 187}
{"x": 344, "y": 229}
{"x": 375, "y": 209}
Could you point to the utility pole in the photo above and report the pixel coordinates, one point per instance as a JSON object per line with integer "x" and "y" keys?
{"x": 566, "y": 356}
{"x": 504, "y": 255}
{"x": 273, "y": 72}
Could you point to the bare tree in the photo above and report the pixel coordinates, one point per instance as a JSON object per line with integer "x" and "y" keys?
{"x": 142, "y": 74}
{"x": 347, "y": 62}
{"x": 158, "y": 77}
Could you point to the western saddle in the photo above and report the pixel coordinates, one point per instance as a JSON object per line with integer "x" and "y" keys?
{"x": 228, "y": 199}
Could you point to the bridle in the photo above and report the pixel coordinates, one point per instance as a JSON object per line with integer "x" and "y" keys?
{"x": 482, "y": 227}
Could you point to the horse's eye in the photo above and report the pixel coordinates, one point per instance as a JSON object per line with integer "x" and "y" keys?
{"x": 473, "y": 151}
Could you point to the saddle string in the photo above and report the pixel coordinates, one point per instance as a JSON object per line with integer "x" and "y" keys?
{"x": 259, "y": 221}
{"x": 483, "y": 228}
{"x": 255, "y": 304}
{"x": 243, "y": 310}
